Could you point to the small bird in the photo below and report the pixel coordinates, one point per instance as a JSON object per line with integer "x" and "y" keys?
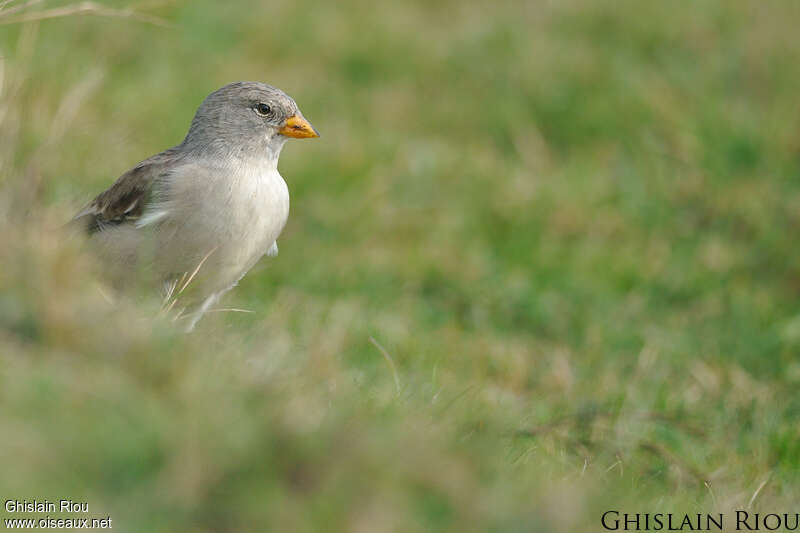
{"x": 202, "y": 213}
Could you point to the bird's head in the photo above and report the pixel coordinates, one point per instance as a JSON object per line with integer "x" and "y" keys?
{"x": 247, "y": 119}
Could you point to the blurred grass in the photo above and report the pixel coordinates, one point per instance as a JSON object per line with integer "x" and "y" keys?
{"x": 572, "y": 225}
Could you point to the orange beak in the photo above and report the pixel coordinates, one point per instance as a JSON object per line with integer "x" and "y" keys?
{"x": 297, "y": 126}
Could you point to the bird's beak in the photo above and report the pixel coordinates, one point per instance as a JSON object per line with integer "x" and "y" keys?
{"x": 297, "y": 126}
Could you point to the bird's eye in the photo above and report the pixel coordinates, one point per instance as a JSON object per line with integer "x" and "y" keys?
{"x": 263, "y": 109}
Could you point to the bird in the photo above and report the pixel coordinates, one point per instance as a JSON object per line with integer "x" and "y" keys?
{"x": 201, "y": 214}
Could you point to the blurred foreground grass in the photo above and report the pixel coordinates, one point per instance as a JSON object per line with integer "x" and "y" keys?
{"x": 572, "y": 226}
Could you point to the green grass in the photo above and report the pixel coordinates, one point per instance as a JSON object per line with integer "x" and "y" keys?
{"x": 572, "y": 226}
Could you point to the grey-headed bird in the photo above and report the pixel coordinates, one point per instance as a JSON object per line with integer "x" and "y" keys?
{"x": 204, "y": 212}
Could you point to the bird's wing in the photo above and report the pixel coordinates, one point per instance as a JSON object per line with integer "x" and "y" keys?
{"x": 124, "y": 202}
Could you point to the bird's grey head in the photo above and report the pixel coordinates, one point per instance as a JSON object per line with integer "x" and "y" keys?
{"x": 246, "y": 119}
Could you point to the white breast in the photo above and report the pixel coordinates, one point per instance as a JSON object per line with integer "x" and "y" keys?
{"x": 235, "y": 214}
{"x": 256, "y": 214}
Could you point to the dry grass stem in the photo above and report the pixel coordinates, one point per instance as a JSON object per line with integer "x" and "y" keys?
{"x": 389, "y": 360}
{"x": 83, "y": 8}
{"x": 196, "y": 270}
{"x": 5, "y": 12}
{"x": 757, "y": 491}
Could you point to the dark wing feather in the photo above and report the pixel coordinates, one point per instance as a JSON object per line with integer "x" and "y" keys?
{"x": 125, "y": 200}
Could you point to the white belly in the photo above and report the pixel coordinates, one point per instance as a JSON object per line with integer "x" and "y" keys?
{"x": 231, "y": 220}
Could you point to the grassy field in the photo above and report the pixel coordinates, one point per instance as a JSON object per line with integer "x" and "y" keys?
{"x": 542, "y": 263}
